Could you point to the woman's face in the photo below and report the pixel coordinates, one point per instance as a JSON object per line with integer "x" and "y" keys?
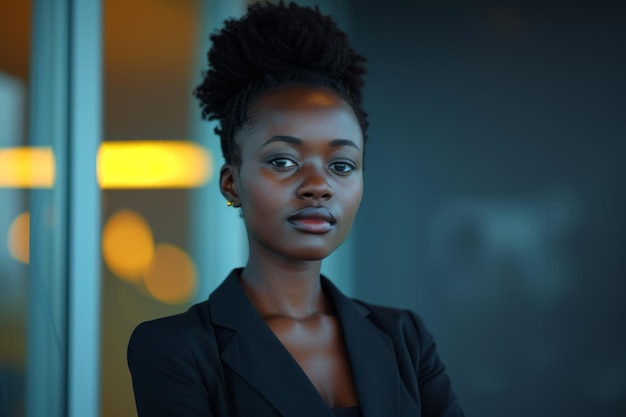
{"x": 300, "y": 181}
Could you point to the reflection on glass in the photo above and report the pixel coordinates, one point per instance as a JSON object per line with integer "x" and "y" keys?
{"x": 146, "y": 167}
{"x": 127, "y": 245}
{"x": 153, "y": 164}
{"x": 27, "y": 167}
{"x": 18, "y": 239}
{"x": 171, "y": 277}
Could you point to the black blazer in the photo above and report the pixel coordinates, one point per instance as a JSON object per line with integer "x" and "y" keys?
{"x": 220, "y": 359}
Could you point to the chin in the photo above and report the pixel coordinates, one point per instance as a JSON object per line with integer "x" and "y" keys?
{"x": 312, "y": 253}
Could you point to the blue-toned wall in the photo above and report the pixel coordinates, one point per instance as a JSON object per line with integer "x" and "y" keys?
{"x": 495, "y": 194}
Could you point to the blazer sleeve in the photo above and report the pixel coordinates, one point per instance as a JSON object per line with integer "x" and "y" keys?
{"x": 166, "y": 378}
{"x": 437, "y": 397}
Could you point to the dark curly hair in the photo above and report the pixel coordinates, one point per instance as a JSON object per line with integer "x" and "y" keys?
{"x": 273, "y": 45}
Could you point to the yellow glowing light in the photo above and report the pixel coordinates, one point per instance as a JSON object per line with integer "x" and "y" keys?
{"x": 128, "y": 164}
{"x": 19, "y": 238}
{"x": 153, "y": 164}
{"x": 171, "y": 277}
{"x": 27, "y": 167}
{"x": 127, "y": 245}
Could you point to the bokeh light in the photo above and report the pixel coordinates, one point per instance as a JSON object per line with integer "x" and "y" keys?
{"x": 127, "y": 245}
{"x": 27, "y": 167}
{"x": 153, "y": 164}
{"x": 171, "y": 277}
{"x": 120, "y": 165}
{"x": 19, "y": 238}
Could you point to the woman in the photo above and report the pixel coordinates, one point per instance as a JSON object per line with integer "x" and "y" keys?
{"x": 276, "y": 338}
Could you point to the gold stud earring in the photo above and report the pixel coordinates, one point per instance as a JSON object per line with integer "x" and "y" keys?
{"x": 230, "y": 203}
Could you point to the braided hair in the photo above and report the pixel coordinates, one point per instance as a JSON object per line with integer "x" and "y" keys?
{"x": 273, "y": 45}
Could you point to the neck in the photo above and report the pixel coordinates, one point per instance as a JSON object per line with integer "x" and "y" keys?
{"x": 284, "y": 288}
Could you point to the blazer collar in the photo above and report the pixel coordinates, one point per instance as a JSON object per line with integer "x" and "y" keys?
{"x": 371, "y": 354}
{"x": 256, "y": 354}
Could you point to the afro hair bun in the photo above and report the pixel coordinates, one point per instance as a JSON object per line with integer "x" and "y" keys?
{"x": 274, "y": 40}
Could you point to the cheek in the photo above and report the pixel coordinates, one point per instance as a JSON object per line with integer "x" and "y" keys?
{"x": 248, "y": 185}
{"x": 355, "y": 196}
{"x": 357, "y": 203}
{"x": 259, "y": 201}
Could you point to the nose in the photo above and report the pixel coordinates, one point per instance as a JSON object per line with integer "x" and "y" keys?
{"x": 314, "y": 184}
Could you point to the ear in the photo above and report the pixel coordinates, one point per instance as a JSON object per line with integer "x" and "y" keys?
{"x": 228, "y": 184}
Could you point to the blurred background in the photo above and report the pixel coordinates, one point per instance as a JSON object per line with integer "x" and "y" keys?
{"x": 494, "y": 198}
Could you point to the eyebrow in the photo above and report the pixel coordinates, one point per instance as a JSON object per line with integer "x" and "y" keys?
{"x": 335, "y": 143}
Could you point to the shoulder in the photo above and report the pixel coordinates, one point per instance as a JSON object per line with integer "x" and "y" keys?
{"x": 412, "y": 342}
{"x": 420, "y": 367}
{"x": 182, "y": 325}
{"x": 175, "y": 365}
{"x": 395, "y": 321}
{"x": 182, "y": 333}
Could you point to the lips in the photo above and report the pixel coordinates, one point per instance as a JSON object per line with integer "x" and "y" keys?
{"x": 313, "y": 220}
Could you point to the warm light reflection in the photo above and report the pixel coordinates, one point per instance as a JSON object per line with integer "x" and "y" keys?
{"x": 321, "y": 99}
{"x": 127, "y": 164}
{"x": 153, "y": 164}
{"x": 27, "y": 167}
{"x": 127, "y": 245}
{"x": 19, "y": 238}
{"x": 171, "y": 277}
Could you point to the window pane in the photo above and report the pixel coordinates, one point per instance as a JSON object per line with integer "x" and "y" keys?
{"x": 147, "y": 268}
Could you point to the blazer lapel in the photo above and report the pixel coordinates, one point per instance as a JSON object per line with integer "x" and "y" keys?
{"x": 371, "y": 355}
{"x": 258, "y": 357}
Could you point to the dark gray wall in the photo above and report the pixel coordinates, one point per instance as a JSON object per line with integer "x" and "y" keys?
{"x": 495, "y": 194}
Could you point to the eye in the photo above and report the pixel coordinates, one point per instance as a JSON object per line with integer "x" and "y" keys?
{"x": 282, "y": 163}
{"x": 342, "y": 167}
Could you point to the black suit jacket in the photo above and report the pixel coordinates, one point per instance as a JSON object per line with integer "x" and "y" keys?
{"x": 221, "y": 359}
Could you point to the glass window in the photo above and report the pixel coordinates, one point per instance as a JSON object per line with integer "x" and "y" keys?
{"x": 149, "y": 167}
